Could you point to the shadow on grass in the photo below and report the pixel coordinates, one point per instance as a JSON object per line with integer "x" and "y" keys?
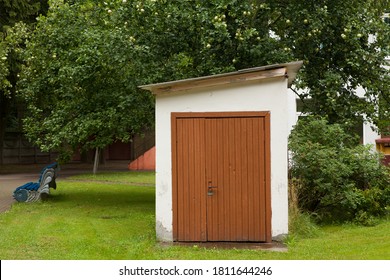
{"x": 104, "y": 198}
{"x": 106, "y": 203}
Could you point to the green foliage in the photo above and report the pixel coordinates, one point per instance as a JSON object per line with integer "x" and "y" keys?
{"x": 339, "y": 180}
{"x": 86, "y": 59}
{"x": 195, "y": 38}
{"x": 11, "y": 48}
{"x": 15, "y": 14}
{"x": 300, "y": 224}
{"x": 344, "y": 45}
{"x": 80, "y": 81}
{"x": 17, "y": 18}
{"x": 4, "y": 70}
{"x": 14, "y": 11}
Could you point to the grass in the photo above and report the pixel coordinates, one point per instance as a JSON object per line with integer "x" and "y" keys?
{"x": 139, "y": 178}
{"x": 110, "y": 216}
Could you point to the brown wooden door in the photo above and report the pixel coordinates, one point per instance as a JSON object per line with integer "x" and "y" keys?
{"x": 221, "y": 177}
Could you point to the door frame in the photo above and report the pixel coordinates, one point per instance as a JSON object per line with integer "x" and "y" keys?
{"x": 237, "y": 114}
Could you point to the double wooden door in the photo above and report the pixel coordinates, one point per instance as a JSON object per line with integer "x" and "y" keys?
{"x": 221, "y": 169}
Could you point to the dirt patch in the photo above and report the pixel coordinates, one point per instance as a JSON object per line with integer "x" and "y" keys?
{"x": 274, "y": 246}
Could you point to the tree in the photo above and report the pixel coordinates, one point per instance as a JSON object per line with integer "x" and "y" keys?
{"x": 195, "y": 38}
{"x": 344, "y": 45}
{"x": 80, "y": 81}
{"x": 86, "y": 59}
{"x": 16, "y": 18}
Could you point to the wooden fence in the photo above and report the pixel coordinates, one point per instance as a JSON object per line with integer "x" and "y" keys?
{"x": 16, "y": 149}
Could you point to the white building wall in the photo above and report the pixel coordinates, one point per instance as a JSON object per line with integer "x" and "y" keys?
{"x": 272, "y": 96}
{"x": 369, "y": 134}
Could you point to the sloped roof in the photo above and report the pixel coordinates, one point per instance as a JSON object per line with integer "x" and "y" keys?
{"x": 288, "y": 70}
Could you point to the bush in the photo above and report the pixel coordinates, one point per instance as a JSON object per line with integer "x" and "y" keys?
{"x": 340, "y": 180}
{"x": 300, "y": 224}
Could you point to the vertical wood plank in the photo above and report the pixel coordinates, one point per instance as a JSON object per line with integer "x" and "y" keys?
{"x": 213, "y": 202}
{"x": 251, "y": 159}
{"x": 189, "y": 191}
{"x": 267, "y": 168}
{"x": 238, "y": 182}
{"x": 180, "y": 180}
{"x": 184, "y": 197}
{"x": 258, "y": 206}
{"x": 244, "y": 179}
{"x": 201, "y": 183}
{"x": 209, "y": 172}
{"x": 223, "y": 187}
{"x": 174, "y": 147}
{"x": 232, "y": 178}
{"x": 190, "y": 219}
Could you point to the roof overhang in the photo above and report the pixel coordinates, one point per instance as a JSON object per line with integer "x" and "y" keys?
{"x": 286, "y": 70}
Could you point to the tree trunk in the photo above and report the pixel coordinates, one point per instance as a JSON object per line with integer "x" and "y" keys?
{"x": 96, "y": 161}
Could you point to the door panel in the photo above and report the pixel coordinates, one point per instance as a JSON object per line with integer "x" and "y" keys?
{"x": 234, "y": 156}
{"x": 220, "y": 177}
{"x": 191, "y": 196}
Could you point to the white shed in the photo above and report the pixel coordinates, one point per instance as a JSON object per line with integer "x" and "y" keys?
{"x": 221, "y": 155}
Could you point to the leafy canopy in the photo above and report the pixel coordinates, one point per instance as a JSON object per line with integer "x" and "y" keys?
{"x": 86, "y": 59}
{"x": 80, "y": 81}
{"x": 344, "y": 45}
{"x": 14, "y": 15}
{"x": 17, "y": 18}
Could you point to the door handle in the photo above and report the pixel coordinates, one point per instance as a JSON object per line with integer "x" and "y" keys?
{"x": 210, "y": 190}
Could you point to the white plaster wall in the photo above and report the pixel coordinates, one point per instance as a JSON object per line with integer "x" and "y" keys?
{"x": 292, "y": 109}
{"x": 369, "y": 135}
{"x": 254, "y": 96}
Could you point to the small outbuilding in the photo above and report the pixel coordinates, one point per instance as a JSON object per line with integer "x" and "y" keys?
{"x": 221, "y": 155}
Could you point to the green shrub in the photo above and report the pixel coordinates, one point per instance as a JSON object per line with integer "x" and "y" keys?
{"x": 340, "y": 180}
{"x": 300, "y": 224}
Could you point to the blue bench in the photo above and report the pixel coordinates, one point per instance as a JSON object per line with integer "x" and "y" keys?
{"x": 39, "y": 190}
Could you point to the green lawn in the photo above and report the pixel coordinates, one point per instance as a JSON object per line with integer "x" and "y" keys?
{"x": 110, "y": 216}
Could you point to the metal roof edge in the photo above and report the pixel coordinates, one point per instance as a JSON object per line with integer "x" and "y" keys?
{"x": 292, "y": 71}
